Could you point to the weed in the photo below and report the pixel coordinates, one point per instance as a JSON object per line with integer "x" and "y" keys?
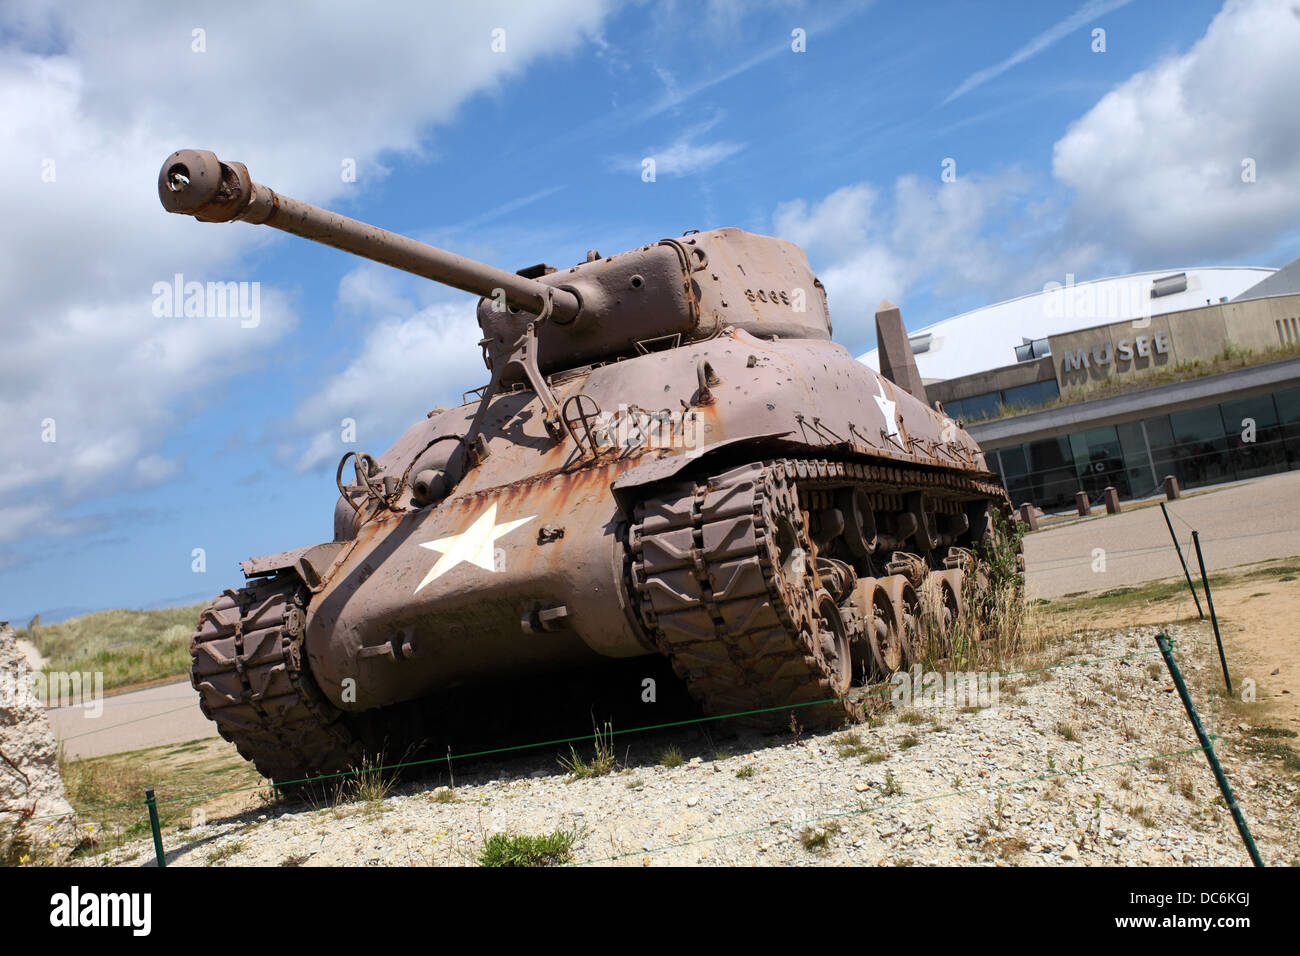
{"x": 890, "y": 788}
{"x": 849, "y": 745}
{"x": 369, "y": 783}
{"x": 602, "y": 760}
{"x": 670, "y": 757}
{"x": 815, "y": 839}
{"x": 507, "y": 849}
{"x": 224, "y": 853}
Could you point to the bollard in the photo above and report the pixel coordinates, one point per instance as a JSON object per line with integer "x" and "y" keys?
{"x": 1112, "y": 500}
{"x": 1028, "y": 517}
{"x": 153, "y": 825}
{"x": 1083, "y": 504}
{"x": 1171, "y": 488}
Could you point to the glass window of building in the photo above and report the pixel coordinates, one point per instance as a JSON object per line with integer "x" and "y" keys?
{"x": 1024, "y": 396}
{"x": 1288, "y": 416}
{"x": 981, "y": 406}
{"x": 1254, "y": 437}
{"x": 1201, "y": 446}
{"x": 1099, "y": 461}
{"x": 1137, "y": 466}
{"x": 1051, "y": 472}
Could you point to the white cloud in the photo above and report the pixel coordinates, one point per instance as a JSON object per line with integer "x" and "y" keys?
{"x": 867, "y": 246}
{"x": 1057, "y": 31}
{"x": 1156, "y": 164}
{"x": 684, "y": 156}
{"x": 405, "y": 367}
{"x": 104, "y": 92}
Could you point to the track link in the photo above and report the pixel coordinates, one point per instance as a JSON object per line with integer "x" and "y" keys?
{"x": 247, "y": 668}
{"x": 710, "y": 561}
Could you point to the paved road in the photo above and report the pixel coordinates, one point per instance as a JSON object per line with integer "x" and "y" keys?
{"x": 167, "y": 714}
{"x": 1239, "y": 524}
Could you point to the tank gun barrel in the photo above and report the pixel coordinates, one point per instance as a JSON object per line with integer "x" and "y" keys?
{"x": 196, "y": 183}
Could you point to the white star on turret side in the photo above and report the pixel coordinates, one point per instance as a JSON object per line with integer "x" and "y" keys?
{"x": 474, "y": 544}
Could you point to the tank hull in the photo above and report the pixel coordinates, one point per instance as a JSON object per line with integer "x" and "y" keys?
{"x": 523, "y": 568}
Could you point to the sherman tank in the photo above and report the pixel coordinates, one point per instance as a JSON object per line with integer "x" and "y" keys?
{"x": 671, "y": 461}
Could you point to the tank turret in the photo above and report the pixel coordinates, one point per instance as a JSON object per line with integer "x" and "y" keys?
{"x": 541, "y": 320}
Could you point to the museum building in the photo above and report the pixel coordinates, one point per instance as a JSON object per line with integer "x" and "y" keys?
{"x": 1122, "y": 381}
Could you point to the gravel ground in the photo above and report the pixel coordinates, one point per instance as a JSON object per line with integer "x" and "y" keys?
{"x": 1059, "y": 772}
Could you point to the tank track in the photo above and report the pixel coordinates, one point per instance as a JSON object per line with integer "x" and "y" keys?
{"x": 703, "y": 561}
{"x": 247, "y": 668}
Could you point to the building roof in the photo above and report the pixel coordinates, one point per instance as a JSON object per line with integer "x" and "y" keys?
{"x": 986, "y": 338}
{"x": 1285, "y": 281}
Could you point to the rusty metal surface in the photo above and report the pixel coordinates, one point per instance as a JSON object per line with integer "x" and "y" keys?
{"x": 579, "y": 507}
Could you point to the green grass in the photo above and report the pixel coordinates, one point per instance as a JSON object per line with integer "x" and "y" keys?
{"x": 1066, "y": 730}
{"x": 224, "y": 853}
{"x": 815, "y": 839}
{"x": 602, "y": 760}
{"x": 745, "y": 772}
{"x": 1271, "y": 746}
{"x": 369, "y": 783}
{"x": 1169, "y": 589}
{"x": 172, "y": 771}
{"x": 507, "y": 849}
{"x": 890, "y": 788}
{"x": 849, "y": 745}
{"x": 670, "y": 757}
{"x": 127, "y": 647}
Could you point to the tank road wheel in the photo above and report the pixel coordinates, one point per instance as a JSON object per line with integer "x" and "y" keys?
{"x": 859, "y": 521}
{"x": 880, "y": 653}
{"x": 907, "y": 614}
{"x": 833, "y": 642}
{"x": 721, "y": 573}
{"x": 941, "y": 607}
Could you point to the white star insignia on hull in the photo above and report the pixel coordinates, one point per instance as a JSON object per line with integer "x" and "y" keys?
{"x": 474, "y": 544}
{"x": 888, "y": 409}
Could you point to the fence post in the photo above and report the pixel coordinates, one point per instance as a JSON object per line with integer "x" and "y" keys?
{"x": 1183, "y": 561}
{"x": 1209, "y": 600}
{"x": 1224, "y": 787}
{"x": 153, "y": 824}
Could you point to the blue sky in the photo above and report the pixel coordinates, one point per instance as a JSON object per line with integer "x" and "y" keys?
{"x": 183, "y": 433}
